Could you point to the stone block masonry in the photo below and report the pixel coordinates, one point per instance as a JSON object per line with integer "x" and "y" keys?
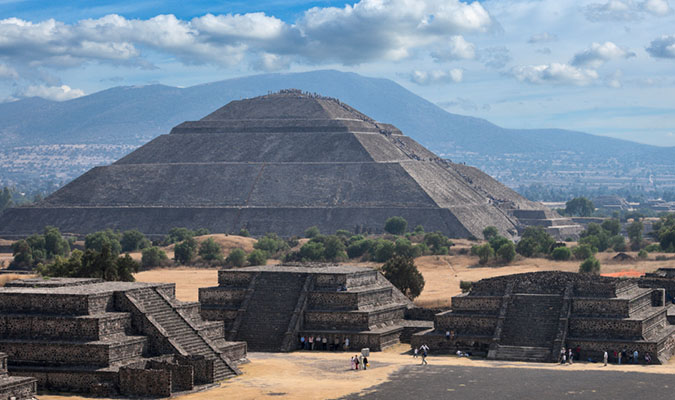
{"x": 271, "y": 307}
{"x": 111, "y": 338}
{"x": 530, "y": 317}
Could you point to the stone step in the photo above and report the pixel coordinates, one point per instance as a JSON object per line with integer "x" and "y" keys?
{"x": 523, "y": 353}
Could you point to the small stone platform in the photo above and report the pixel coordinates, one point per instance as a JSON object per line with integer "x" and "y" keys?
{"x": 271, "y": 307}
{"x": 111, "y": 338}
{"x": 531, "y": 316}
{"x": 15, "y": 387}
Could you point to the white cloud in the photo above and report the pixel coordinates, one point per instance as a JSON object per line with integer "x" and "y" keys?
{"x": 495, "y": 57}
{"x": 370, "y": 30}
{"x": 56, "y": 93}
{"x": 656, "y": 7}
{"x": 543, "y": 37}
{"x": 437, "y": 77}
{"x": 457, "y": 49}
{"x": 555, "y": 73}
{"x": 600, "y": 53}
{"x": 626, "y": 9}
{"x": 663, "y": 47}
{"x": 7, "y": 72}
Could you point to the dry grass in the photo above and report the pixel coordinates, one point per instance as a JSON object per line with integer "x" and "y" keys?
{"x": 4, "y": 278}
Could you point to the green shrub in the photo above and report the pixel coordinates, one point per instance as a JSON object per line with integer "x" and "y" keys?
{"x": 490, "y": 232}
{"x": 209, "y": 250}
{"x": 561, "y": 254}
{"x": 176, "y": 235}
{"x": 311, "y": 232}
{"x": 435, "y": 241}
{"x": 653, "y": 248}
{"x": 271, "y": 244}
{"x": 97, "y": 240}
{"x": 134, "y": 240}
{"x": 535, "y": 242}
{"x": 359, "y": 247}
{"x": 312, "y": 251}
{"x": 153, "y": 257}
{"x": 506, "y": 252}
{"x": 383, "y": 250}
{"x": 590, "y": 266}
{"x": 484, "y": 253}
{"x": 236, "y": 258}
{"x": 185, "y": 251}
{"x": 257, "y": 257}
{"x": 584, "y": 251}
{"x": 405, "y": 248}
{"x": 419, "y": 230}
{"x": 618, "y": 243}
{"x": 643, "y": 254}
{"x": 343, "y": 233}
{"x": 396, "y": 225}
{"x": 244, "y": 232}
{"x": 334, "y": 249}
{"x": 465, "y": 286}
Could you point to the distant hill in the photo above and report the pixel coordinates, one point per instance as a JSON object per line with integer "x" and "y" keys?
{"x": 133, "y": 115}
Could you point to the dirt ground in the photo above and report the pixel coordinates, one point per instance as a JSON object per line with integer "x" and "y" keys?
{"x": 327, "y": 375}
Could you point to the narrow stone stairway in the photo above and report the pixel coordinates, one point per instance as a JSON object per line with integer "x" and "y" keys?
{"x": 274, "y": 300}
{"x": 179, "y": 330}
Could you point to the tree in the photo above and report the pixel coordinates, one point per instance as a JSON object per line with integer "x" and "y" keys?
{"x": 23, "y": 255}
{"x": 490, "y": 232}
{"x": 210, "y": 250}
{"x": 271, "y": 244}
{"x": 484, "y": 252}
{"x": 312, "y": 231}
{"x": 634, "y": 231}
{"x": 312, "y": 251}
{"x": 618, "y": 243}
{"x": 383, "y": 250}
{"x": 506, "y": 252}
{"x": 55, "y": 244}
{"x": 244, "y": 232}
{"x": 257, "y": 257}
{"x": 403, "y": 274}
{"x": 396, "y": 225}
{"x": 236, "y": 258}
{"x": 185, "y": 251}
{"x": 359, "y": 247}
{"x": 97, "y": 240}
{"x": 580, "y": 207}
{"x": 176, "y": 235}
{"x": 584, "y": 251}
{"x": 534, "y": 242}
{"x": 561, "y": 254}
{"x": 612, "y": 226}
{"x": 590, "y": 266}
{"x": 436, "y": 242}
{"x": 133, "y": 240}
{"x": 153, "y": 257}
{"x": 403, "y": 247}
{"x": 419, "y": 230}
{"x": 334, "y": 249}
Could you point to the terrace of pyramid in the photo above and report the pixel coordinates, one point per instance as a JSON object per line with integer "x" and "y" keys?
{"x": 111, "y": 338}
{"x": 282, "y": 163}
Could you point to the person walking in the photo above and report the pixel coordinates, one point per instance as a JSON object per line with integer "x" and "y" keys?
{"x": 415, "y": 351}
{"x": 620, "y": 356}
{"x": 570, "y": 356}
{"x": 605, "y": 357}
{"x": 353, "y": 363}
{"x": 324, "y": 341}
{"x": 365, "y": 362}
{"x": 425, "y": 352}
{"x": 311, "y": 342}
{"x": 361, "y": 364}
{"x": 562, "y": 355}
{"x": 636, "y": 359}
{"x": 302, "y": 342}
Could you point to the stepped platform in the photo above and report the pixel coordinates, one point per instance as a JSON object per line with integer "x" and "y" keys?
{"x": 15, "y": 387}
{"x": 532, "y": 316}
{"x": 111, "y": 338}
{"x": 271, "y": 307}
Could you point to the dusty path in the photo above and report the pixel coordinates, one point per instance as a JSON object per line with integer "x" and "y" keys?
{"x": 326, "y": 375}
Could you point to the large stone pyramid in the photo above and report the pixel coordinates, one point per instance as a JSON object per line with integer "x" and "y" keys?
{"x": 280, "y": 163}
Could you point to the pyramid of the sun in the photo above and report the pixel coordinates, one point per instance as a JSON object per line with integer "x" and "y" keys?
{"x": 281, "y": 163}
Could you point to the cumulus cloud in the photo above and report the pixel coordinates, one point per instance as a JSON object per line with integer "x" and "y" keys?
{"x": 625, "y": 10}
{"x": 437, "y": 77}
{"x": 369, "y": 30}
{"x": 555, "y": 73}
{"x": 600, "y": 53}
{"x": 8, "y": 72}
{"x": 57, "y": 93}
{"x": 663, "y": 47}
{"x": 543, "y": 37}
{"x": 495, "y": 57}
{"x": 456, "y": 49}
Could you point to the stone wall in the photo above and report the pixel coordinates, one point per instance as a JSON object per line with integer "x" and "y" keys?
{"x": 139, "y": 382}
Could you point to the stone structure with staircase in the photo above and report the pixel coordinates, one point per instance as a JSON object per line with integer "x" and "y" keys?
{"x": 109, "y": 338}
{"x": 271, "y": 307}
{"x": 15, "y": 387}
{"x": 532, "y": 316}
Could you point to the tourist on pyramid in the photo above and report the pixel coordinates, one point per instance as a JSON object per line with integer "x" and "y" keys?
{"x": 311, "y": 342}
{"x": 562, "y": 355}
{"x": 604, "y": 358}
{"x": 570, "y": 356}
{"x": 636, "y": 359}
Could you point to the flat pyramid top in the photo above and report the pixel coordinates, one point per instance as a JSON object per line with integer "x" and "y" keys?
{"x": 287, "y": 104}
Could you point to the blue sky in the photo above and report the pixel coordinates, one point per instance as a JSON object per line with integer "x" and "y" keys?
{"x": 601, "y": 66}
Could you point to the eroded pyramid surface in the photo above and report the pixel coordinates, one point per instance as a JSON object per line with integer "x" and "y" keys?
{"x": 280, "y": 163}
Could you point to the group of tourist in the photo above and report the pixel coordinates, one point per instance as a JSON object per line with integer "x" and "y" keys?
{"x": 359, "y": 361}
{"x": 624, "y": 356}
{"x": 323, "y": 343}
